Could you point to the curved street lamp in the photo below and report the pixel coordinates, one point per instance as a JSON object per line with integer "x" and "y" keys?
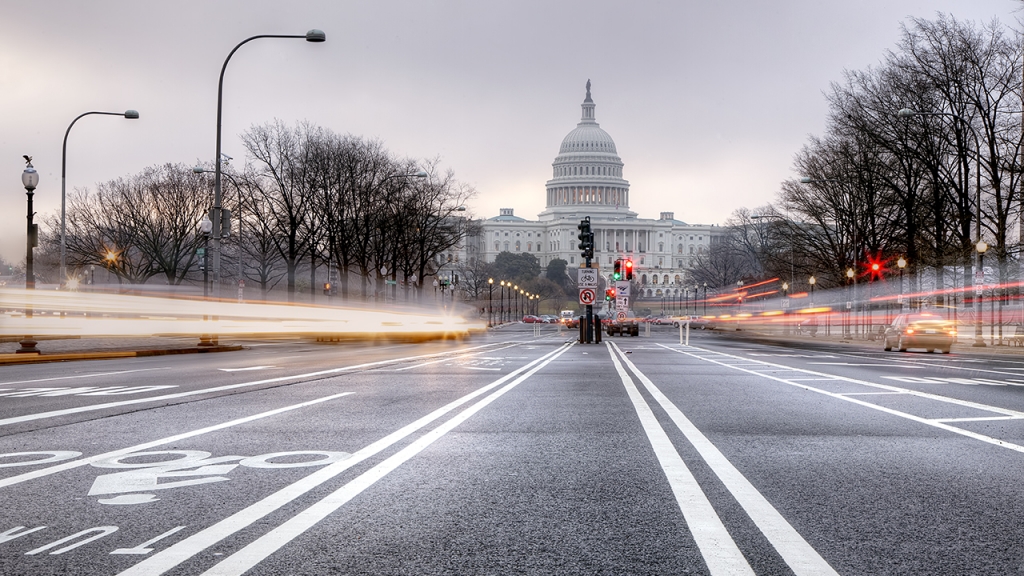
{"x": 311, "y": 36}
{"x": 128, "y": 114}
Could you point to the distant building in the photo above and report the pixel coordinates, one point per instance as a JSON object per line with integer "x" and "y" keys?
{"x": 587, "y": 180}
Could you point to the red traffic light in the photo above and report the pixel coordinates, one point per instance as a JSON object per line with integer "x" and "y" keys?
{"x": 629, "y": 269}
{"x": 609, "y": 294}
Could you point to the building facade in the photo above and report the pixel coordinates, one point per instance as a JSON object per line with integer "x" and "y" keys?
{"x": 587, "y": 180}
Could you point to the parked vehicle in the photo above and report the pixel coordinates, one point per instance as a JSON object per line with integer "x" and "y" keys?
{"x": 921, "y": 330}
{"x": 531, "y": 319}
{"x": 549, "y": 319}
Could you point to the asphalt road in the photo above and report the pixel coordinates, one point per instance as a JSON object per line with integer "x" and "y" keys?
{"x": 516, "y": 453}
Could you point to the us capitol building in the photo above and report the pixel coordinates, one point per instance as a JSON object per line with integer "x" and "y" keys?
{"x": 587, "y": 180}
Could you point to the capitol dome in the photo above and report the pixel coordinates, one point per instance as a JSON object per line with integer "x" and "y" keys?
{"x": 587, "y": 173}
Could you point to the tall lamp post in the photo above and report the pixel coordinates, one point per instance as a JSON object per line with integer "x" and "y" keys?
{"x": 705, "y": 299}
{"x": 812, "y": 281}
{"x": 311, "y": 36}
{"x": 979, "y": 291}
{"x": 130, "y": 115}
{"x": 29, "y": 179}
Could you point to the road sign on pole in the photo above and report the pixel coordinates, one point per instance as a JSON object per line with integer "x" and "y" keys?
{"x": 587, "y": 295}
{"x": 587, "y": 278}
{"x": 622, "y": 289}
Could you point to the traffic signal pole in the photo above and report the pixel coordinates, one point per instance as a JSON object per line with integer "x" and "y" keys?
{"x": 586, "y": 237}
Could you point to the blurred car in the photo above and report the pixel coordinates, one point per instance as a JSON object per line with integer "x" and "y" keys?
{"x": 573, "y": 322}
{"x": 531, "y": 319}
{"x": 695, "y": 322}
{"x": 921, "y": 330}
{"x": 663, "y": 320}
{"x": 549, "y": 319}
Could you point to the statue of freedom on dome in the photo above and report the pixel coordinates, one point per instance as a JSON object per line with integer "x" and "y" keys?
{"x": 588, "y": 88}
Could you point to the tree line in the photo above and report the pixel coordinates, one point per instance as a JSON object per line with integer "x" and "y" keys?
{"x": 926, "y": 184}
{"x": 307, "y": 199}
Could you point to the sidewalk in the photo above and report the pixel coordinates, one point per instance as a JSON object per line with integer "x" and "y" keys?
{"x": 65, "y": 349}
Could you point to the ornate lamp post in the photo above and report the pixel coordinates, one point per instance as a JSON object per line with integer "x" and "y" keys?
{"x": 501, "y": 304}
{"x": 206, "y": 226}
{"x": 853, "y": 299}
{"x": 785, "y": 307}
{"x": 812, "y": 281}
{"x": 29, "y": 179}
{"x": 705, "y": 299}
{"x": 490, "y": 307}
{"x": 901, "y": 264}
{"x": 979, "y": 291}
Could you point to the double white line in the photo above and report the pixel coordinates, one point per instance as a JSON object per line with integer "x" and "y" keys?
{"x": 720, "y": 552}
{"x": 254, "y": 553}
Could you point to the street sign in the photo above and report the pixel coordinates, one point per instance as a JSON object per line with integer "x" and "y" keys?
{"x": 785, "y": 303}
{"x": 587, "y": 278}
{"x": 622, "y": 288}
{"x": 621, "y": 303}
{"x": 587, "y": 295}
{"x": 620, "y": 316}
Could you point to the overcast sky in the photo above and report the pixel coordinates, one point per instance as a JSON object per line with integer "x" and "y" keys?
{"x": 707, "y": 101}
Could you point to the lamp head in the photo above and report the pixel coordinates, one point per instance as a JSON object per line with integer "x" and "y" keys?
{"x": 785, "y": 285}
{"x": 981, "y": 246}
{"x": 812, "y": 281}
{"x": 199, "y": 170}
{"x": 906, "y": 113}
{"x": 206, "y": 226}
{"x": 131, "y": 114}
{"x": 849, "y": 272}
{"x": 29, "y": 178}
{"x": 806, "y": 180}
{"x": 315, "y": 35}
{"x": 902, "y": 262}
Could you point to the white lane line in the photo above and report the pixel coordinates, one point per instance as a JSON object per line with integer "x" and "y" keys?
{"x": 907, "y": 366}
{"x": 803, "y": 559}
{"x": 83, "y": 376}
{"x": 716, "y": 545}
{"x": 979, "y": 419}
{"x": 867, "y": 393}
{"x": 93, "y": 407}
{"x": 927, "y": 421}
{"x": 245, "y": 369}
{"x": 454, "y": 359}
{"x": 146, "y": 445}
{"x": 180, "y": 552}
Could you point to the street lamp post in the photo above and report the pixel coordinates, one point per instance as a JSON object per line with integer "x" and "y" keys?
{"x": 490, "y": 307}
{"x": 853, "y": 299}
{"x": 311, "y": 36}
{"x": 501, "y": 303}
{"x": 29, "y": 179}
{"x": 979, "y": 291}
{"x": 812, "y": 281}
{"x": 901, "y": 264}
{"x": 705, "y": 299}
{"x": 130, "y": 115}
{"x": 785, "y": 307}
{"x": 206, "y": 226}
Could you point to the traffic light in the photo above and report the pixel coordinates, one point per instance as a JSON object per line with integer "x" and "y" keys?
{"x": 609, "y": 294}
{"x": 617, "y": 274}
{"x": 586, "y": 238}
{"x": 629, "y": 269}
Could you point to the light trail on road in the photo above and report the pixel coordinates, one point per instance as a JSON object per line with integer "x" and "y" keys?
{"x": 62, "y": 313}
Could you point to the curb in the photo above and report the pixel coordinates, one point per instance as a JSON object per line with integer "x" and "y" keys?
{"x": 39, "y": 358}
